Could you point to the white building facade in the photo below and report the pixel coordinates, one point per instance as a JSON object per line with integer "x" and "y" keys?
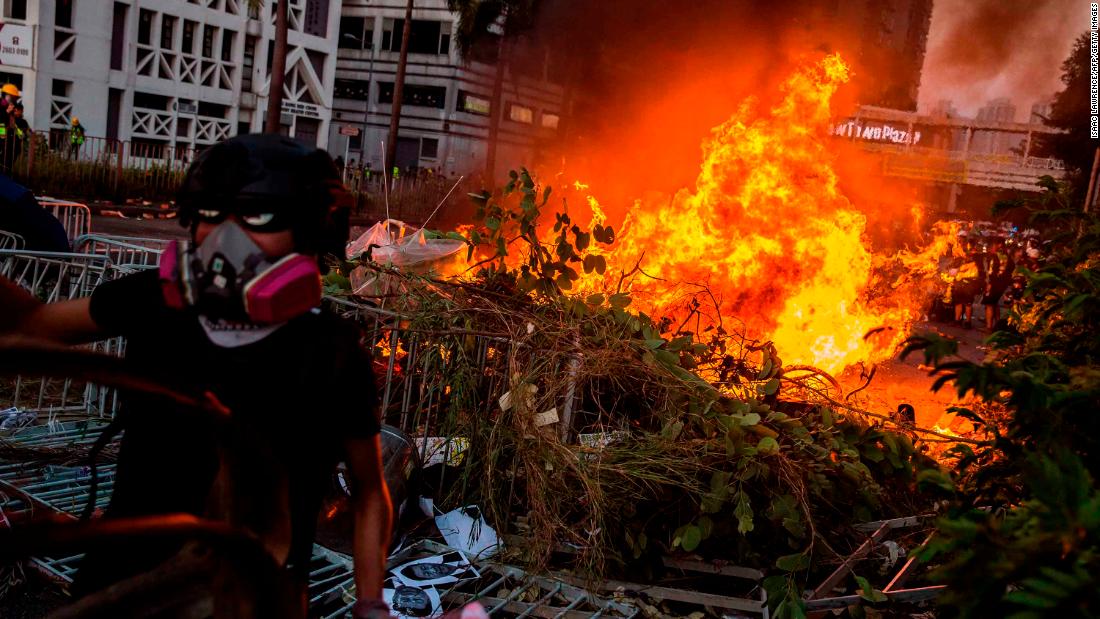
{"x": 446, "y": 105}
{"x": 171, "y": 73}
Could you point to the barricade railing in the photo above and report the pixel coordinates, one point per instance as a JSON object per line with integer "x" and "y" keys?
{"x": 423, "y": 372}
{"x": 127, "y": 253}
{"x": 100, "y": 167}
{"x": 75, "y": 217}
{"x": 52, "y": 277}
{"x": 10, "y": 240}
{"x": 63, "y": 489}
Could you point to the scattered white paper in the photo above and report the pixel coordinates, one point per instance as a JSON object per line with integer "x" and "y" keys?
{"x": 407, "y": 602}
{"x": 599, "y": 440}
{"x": 506, "y": 402}
{"x": 445, "y": 569}
{"x": 546, "y": 418}
{"x": 462, "y": 532}
{"x": 14, "y": 417}
{"x": 427, "y": 505}
{"x": 441, "y": 449}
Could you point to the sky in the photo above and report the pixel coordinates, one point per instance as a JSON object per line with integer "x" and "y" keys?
{"x": 983, "y": 49}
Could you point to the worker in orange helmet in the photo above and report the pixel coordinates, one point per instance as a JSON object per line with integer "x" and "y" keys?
{"x": 76, "y": 138}
{"x": 9, "y": 96}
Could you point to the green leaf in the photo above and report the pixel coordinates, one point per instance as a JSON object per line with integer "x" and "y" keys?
{"x": 793, "y": 563}
{"x": 691, "y": 538}
{"x": 595, "y": 299}
{"x": 749, "y": 419}
{"x": 706, "y": 526}
{"x": 868, "y": 592}
{"x": 620, "y": 300}
{"x": 770, "y": 387}
{"x": 743, "y": 513}
{"x": 582, "y": 240}
{"x": 767, "y": 446}
{"x": 1030, "y": 599}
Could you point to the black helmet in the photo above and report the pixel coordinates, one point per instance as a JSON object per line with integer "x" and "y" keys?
{"x": 271, "y": 174}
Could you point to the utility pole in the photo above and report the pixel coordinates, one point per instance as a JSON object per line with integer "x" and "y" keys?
{"x": 278, "y": 69}
{"x": 398, "y": 90}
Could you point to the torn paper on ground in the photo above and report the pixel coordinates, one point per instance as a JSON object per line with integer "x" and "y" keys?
{"x": 463, "y": 532}
{"x": 444, "y": 569}
{"x": 411, "y": 602}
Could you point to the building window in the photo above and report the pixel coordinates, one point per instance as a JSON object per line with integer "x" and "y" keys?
{"x": 521, "y": 114}
{"x": 425, "y": 36}
{"x": 429, "y": 148}
{"x": 150, "y": 101}
{"x": 213, "y": 110}
{"x": 351, "y": 33}
{"x": 207, "y": 41}
{"x": 145, "y": 26}
{"x": 167, "y": 31}
{"x": 357, "y": 90}
{"x": 61, "y": 89}
{"x": 248, "y": 63}
{"x": 188, "y": 46}
{"x": 118, "y": 36}
{"x": 550, "y": 121}
{"x": 13, "y": 78}
{"x": 63, "y": 14}
{"x": 228, "y": 38}
{"x": 423, "y": 96}
{"x": 315, "y": 21}
{"x": 472, "y": 104}
{"x": 15, "y": 9}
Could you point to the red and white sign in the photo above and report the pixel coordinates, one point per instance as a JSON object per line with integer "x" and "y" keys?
{"x": 349, "y": 130}
{"x": 16, "y": 45}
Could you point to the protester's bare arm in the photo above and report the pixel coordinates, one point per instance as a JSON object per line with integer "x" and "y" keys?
{"x": 68, "y": 322}
{"x": 373, "y": 515}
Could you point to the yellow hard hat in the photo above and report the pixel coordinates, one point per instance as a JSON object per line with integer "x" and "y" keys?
{"x": 11, "y": 89}
{"x": 76, "y": 121}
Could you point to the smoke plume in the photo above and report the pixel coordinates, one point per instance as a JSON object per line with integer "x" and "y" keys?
{"x": 982, "y": 49}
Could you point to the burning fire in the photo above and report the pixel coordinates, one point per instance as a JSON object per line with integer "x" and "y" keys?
{"x": 767, "y": 241}
{"x": 766, "y": 236}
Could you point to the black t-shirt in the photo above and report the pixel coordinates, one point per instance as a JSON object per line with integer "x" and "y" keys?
{"x": 295, "y": 396}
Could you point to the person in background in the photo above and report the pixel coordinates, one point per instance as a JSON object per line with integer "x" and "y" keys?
{"x": 998, "y": 270}
{"x": 22, "y": 132}
{"x": 21, "y": 214}
{"x": 76, "y": 138}
{"x": 9, "y": 97}
{"x": 965, "y": 286}
{"x": 339, "y": 161}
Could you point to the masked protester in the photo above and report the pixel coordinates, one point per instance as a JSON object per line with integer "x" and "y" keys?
{"x": 234, "y": 312}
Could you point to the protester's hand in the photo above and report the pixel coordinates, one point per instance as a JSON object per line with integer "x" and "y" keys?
{"x": 370, "y": 609}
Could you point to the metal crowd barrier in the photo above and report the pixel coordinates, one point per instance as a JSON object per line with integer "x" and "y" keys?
{"x": 75, "y": 217}
{"x": 128, "y": 253}
{"x": 10, "y": 240}
{"x": 416, "y": 361}
{"x": 51, "y": 277}
{"x": 28, "y": 489}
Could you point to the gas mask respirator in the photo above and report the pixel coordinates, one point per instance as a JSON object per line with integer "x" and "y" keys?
{"x": 229, "y": 277}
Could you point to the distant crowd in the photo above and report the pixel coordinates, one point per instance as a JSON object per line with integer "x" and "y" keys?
{"x": 984, "y": 267}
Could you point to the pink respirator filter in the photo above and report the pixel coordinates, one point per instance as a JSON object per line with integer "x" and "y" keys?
{"x": 291, "y": 287}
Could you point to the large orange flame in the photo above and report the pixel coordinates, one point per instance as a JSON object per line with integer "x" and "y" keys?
{"x": 768, "y": 235}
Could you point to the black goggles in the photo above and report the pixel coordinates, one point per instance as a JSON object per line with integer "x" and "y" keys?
{"x": 255, "y": 217}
